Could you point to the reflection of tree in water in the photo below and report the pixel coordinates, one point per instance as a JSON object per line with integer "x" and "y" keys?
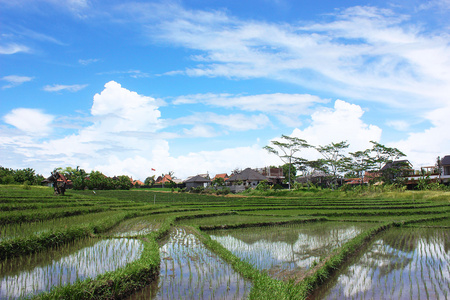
{"x": 255, "y": 234}
{"x": 288, "y": 234}
{"x": 395, "y": 268}
{"x": 280, "y": 248}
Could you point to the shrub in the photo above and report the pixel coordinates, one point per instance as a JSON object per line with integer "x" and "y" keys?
{"x": 262, "y": 186}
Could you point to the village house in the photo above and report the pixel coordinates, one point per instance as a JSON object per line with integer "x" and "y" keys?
{"x": 223, "y": 175}
{"x": 445, "y": 169}
{"x": 246, "y": 179}
{"x": 274, "y": 175}
{"x": 197, "y": 181}
{"x": 164, "y": 179}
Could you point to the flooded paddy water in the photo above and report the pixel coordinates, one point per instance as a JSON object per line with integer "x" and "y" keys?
{"x": 285, "y": 251}
{"x": 190, "y": 271}
{"x": 39, "y": 272}
{"x": 403, "y": 263}
{"x": 136, "y": 227}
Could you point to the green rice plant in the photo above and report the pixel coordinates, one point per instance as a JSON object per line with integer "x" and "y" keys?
{"x": 115, "y": 284}
{"x": 40, "y": 272}
{"x": 38, "y": 242}
{"x": 33, "y": 216}
{"x": 420, "y": 252}
{"x": 288, "y": 250}
{"x": 10, "y": 231}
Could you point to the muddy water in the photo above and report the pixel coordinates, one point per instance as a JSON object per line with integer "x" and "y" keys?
{"x": 403, "y": 263}
{"x": 32, "y": 274}
{"x": 287, "y": 251}
{"x": 190, "y": 271}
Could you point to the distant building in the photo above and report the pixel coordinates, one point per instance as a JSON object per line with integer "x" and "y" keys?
{"x": 165, "y": 179}
{"x": 223, "y": 175}
{"x": 445, "y": 169}
{"x": 273, "y": 175}
{"x": 246, "y": 179}
{"x": 197, "y": 181}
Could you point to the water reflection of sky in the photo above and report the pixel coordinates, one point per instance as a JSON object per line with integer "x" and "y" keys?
{"x": 190, "y": 271}
{"x": 104, "y": 256}
{"x": 274, "y": 255}
{"x": 403, "y": 264}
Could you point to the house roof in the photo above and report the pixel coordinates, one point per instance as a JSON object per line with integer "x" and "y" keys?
{"x": 247, "y": 174}
{"x": 166, "y": 178}
{"x": 224, "y": 176}
{"x": 445, "y": 161}
{"x": 197, "y": 178}
{"x": 395, "y": 163}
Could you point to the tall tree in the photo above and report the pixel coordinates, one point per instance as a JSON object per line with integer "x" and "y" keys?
{"x": 359, "y": 163}
{"x": 291, "y": 170}
{"x": 334, "y": 158}
{"x": 286, "y": 148}
{"x": 380, "y": 155}
{"x": 77, "y": 176}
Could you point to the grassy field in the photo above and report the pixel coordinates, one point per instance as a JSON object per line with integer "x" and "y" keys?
{"x": 287, "y": 245}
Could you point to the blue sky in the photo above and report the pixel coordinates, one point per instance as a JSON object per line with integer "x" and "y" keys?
{"x": 201, "y": 86}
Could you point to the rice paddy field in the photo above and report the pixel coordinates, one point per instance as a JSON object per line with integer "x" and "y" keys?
{"x": 142, "y": 244}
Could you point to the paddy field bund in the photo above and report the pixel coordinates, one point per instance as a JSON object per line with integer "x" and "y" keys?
{"x": 298, "y": 245}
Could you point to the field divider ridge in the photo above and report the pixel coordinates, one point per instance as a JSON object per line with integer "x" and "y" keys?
{"x": 124, "y": 281}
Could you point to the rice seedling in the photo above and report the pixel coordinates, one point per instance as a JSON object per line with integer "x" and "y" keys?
{"x": 190, "y": 271}
{"x": 402, "y": 262}
{"x": 137, "y": 226}
{"x": 284, "y": 251}
{"x": 40, "y": 272}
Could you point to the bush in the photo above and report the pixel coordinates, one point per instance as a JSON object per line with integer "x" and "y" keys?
{"x": 263, "y": 186}
{"x": 223, "y": 191}
{"x": 196, "y": 190}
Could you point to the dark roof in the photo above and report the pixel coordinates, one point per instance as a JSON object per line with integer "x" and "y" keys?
{"x": 247, "y": 174}
{"x": 445, "y": 161}
{"x": 198, "y": 178}
{"x": 395, "y": 164}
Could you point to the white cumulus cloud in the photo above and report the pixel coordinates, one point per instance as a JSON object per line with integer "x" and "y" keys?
{"x": 341, "y": 123}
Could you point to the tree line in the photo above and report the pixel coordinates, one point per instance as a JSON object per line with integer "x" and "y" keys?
{"x": 335, "y": 162}
{"x": 26, "y": 176}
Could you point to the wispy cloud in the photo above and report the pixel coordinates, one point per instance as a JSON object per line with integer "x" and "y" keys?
{"x": 61, "y": 87}
{"x": 15, "y": 80}
{"x": 12, "y": 48}
{"x": 38, "y": 36}
{"x": 89, "y": 61}
{"x": 358, "y": 53}
{"x": 76, "y": 7}
{"x": 399, "y": 125}
{"x": 235, "y": 122}
{"x": 286, "y": 107}
{"x": 131, "y": 73}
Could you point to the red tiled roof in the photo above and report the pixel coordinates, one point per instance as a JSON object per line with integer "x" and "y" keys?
{"x": 166, "y": 178}
{"x": 224, "y": 176}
